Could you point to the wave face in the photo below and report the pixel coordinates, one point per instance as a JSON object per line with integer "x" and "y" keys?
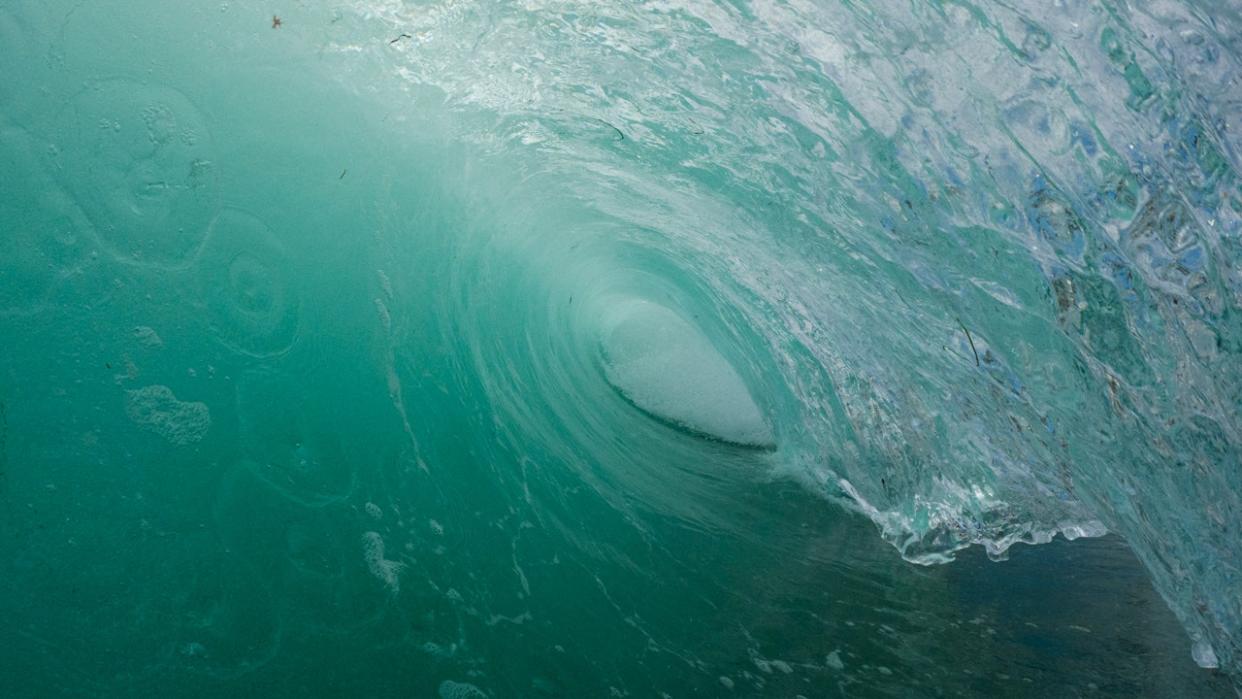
{"x": 557, "y": 347}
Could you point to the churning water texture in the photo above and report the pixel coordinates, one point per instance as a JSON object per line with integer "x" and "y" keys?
{"x": 464, "y": 349}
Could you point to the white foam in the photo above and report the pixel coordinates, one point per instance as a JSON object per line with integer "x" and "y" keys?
{"x": 385, "y": 570}
{"x": 156, "y": 409}
{"x": 459, "y": 690}
{"x": 1204, "y": 655}
{"x": 668, "y": 367}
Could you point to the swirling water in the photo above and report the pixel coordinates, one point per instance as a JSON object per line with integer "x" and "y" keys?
{"x": 587, "y": 349}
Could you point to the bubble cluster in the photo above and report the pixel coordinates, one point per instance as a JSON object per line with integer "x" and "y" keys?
{"x": 156, "y": 409}
{"x": 385, "y": 570}
{"x": 450, "y": 689}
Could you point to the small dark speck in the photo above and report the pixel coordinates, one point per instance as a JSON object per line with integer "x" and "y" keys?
{"x": 108, "y": 365}
{"x": 342, "y": 174}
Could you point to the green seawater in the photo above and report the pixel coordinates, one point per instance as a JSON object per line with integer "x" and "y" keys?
{"x": 687, "y": 348}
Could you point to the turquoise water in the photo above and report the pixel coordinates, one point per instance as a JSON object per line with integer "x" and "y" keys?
{"x": 470, "y": 349}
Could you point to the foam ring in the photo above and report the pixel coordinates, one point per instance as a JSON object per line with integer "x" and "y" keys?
{"x": 251, "y": 301}
{"x": 295, "y": 453}
{"x": 138, "y": 160}
{"x": 42, "y": 234}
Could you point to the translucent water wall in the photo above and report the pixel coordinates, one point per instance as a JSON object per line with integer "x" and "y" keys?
{"x": 498, "y": 349}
